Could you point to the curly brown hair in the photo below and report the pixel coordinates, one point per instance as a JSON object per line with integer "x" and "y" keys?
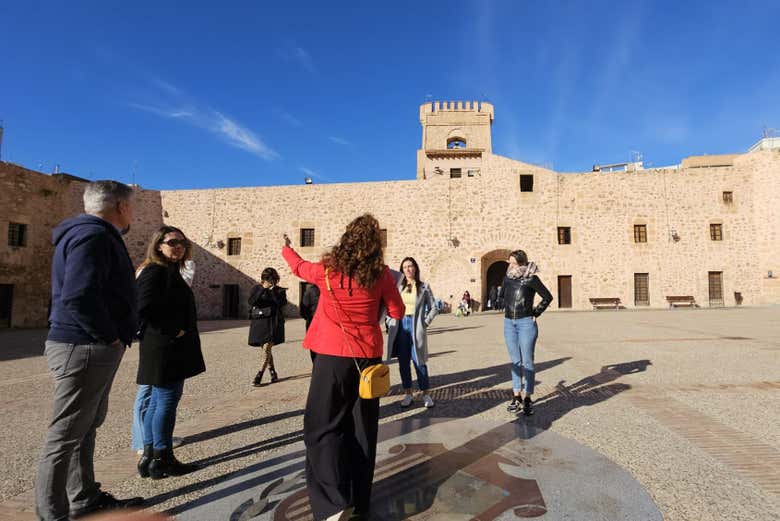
{"x": 359, "y": 253}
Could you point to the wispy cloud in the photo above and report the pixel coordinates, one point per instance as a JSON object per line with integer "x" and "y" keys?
{"x": 288, "y": 118}
{"x": 299, "y": 55}
{"x": 340, "y": 141}
{"x": 227, "y": 129}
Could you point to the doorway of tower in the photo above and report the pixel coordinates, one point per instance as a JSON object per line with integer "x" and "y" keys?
{"x": 493, "y": 279}
{"x": 564, "y": 291}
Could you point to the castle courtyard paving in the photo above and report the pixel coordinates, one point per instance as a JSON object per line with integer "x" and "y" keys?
{"x": 671, "y": 413}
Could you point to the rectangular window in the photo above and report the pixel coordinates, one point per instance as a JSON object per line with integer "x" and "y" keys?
{"x": 728, "y": 197}
{"x": 473, "y": 172}
{"x": 234, "y": 246}
{"x": 641, "y": 289}
{"x": 17, "y": 234}
{"x": 640, "y": 233}
{"x": 455, "y": 173}
{"x": 564, "y": 235}
{"x": 307, "y": 237}
{"x": 716, "y": 232}
{"x": 715, "y": 279}
{"x": 526, "y": 183}
{"x": 383, "y": 235}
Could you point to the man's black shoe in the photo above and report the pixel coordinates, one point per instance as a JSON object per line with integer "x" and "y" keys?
{"x": 514, "y": 405}
{"x": 106, "y": 501}
{"x": 528, "y": 406}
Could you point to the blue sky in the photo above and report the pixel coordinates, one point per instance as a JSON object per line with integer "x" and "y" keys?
{"x": 260, "y": 93}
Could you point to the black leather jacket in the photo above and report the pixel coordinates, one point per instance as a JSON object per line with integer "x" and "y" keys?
{"x": 519, "y": 294}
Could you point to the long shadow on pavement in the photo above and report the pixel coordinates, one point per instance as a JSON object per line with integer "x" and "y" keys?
{"x": 483, "y": 378}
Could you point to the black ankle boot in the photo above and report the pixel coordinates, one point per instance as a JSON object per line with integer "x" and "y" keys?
{"x": 258, "y": 378}
{"x": 274, "y": 376}
{"x": 146, "y": 459}
{"x": 165, "y": 464}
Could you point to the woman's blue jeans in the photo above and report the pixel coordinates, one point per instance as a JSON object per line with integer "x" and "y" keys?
{"x": 520, "y": 336}
{"x": 142, "y": 398}
{"x": 404, "y": 345}
{"x": 160, "y": 417}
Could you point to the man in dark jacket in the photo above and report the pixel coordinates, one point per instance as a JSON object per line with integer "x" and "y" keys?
{"x": 93, "y": 320}
{"x": 309, "y": 303}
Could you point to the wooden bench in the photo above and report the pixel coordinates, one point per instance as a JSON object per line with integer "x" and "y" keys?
{"x": 605, "y": 302}
{"x": 681, "y": 300}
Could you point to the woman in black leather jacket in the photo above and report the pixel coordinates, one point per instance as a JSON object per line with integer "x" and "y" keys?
{"x": 520, "y": 330}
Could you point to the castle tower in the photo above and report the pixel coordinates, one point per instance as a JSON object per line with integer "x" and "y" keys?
{"x": 455, "y": 137}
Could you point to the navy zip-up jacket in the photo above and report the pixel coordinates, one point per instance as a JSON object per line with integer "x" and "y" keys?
{"x": 93, "y": 296}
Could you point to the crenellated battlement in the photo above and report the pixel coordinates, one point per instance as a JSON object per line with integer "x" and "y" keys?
{"x": 479, "y": 107}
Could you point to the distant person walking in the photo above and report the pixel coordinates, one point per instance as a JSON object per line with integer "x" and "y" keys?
{"x": 340, "y": 428}
{"x": 266, "y": 328}
{"x": 170, "y": 347}
{"x": 93, "y": 321}
{"x": 407, "y": 339}
{"x": 520, "y": 329}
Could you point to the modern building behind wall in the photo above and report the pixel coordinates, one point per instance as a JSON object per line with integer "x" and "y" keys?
{"x": 705, "y": 229}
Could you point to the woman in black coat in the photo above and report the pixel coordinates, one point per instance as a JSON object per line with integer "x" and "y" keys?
{"x": 266, "y": 328}
{"x": 170, "y": 347}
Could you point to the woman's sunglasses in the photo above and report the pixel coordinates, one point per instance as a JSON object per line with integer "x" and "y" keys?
{"x": 176, "y": 242}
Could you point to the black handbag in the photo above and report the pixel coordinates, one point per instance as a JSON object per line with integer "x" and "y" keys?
{"x": 264, "y": 312}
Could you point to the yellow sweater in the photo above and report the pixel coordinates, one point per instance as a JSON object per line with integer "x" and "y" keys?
{"x": 409, "y": 298}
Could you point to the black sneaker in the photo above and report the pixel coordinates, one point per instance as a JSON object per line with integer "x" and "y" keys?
{"x": 106, "y": 501}
{"x": 514, "y": 405}
{"x": 528, "y": 406}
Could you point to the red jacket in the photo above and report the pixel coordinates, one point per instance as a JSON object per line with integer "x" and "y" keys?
{"x": 358, "y": 312}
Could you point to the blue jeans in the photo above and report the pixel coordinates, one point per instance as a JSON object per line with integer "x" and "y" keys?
{"x": 160, "y": 417}
{"x": 142, "y": 398}
{"x": 520, "y": 336}
{"x": 404, "y": 345}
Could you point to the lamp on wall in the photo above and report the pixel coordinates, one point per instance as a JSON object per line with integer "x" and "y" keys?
{"x": 220, "y": 244}
{"x": 675, "y": 237}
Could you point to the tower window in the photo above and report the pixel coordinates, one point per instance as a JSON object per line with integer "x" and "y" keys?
{"x": 383, "y": 237}
{"x": 456, "y": 173}
{"x": 728, "y": 197}
{"x": 456, "y": 142}
{"x": 526, "y": 183}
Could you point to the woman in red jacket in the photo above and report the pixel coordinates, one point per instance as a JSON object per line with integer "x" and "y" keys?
{"x": 339, "y": 428}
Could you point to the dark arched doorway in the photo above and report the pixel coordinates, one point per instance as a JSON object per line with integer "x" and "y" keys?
{"x": 494, "y": 277}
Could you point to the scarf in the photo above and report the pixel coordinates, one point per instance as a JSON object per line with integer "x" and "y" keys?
{"x": 516, "y": 271}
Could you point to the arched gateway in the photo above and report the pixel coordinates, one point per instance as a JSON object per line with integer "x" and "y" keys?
{"x": 494, "y": 266}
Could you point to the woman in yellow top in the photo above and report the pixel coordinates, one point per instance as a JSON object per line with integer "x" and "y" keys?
{"x": 407, "y": 339}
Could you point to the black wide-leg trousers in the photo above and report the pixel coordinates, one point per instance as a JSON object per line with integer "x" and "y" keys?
{"x": 340, "y": 433}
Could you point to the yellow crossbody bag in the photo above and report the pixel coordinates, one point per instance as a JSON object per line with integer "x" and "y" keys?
{"x": 374, "y": 379}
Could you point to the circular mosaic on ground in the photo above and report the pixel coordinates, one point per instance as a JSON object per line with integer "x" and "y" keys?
{"x": 450, "y": 469}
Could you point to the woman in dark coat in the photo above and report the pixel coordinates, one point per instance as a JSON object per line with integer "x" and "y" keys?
{"x": 170, "y": 347}
{"x": 266, "y": 328}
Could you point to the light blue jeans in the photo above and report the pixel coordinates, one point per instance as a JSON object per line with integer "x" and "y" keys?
{"x": 142, "y": 398}
{"x": 160, "y": 417}
{"x": 520, "y": 335}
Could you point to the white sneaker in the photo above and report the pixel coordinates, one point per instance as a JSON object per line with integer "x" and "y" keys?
{"x": 176, "y": 442}
{"x": 428, "y": 401}
{"x": 407, "y": 401}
